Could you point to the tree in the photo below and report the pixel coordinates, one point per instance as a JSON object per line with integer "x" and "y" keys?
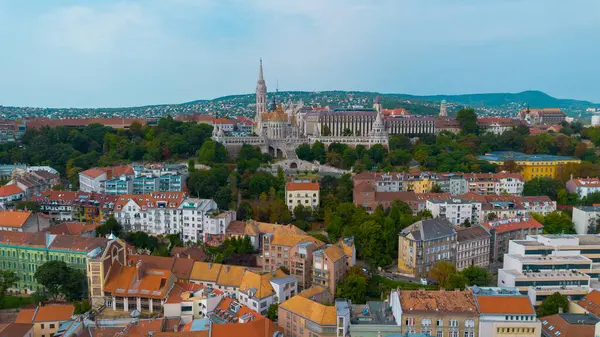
{"x": 354, "y": 288}
{"x": 436, "y": 188}
{"x": 110, "y": 226}
{"x": 28, "y": 205}
{"x": 347, "y": 132}
{"x": 556, "y": 223}
{"x": 477, "y": 276}
{"x": 302, "y": 213}
{"x": 542, "y": 186}
{"x": 272, "y": 312}
{"x": 212, "y": 152}
{"x": 58, "y": 279}
{"x": 202, "y": 184}
{"x": 456, "y": 281}
{"x": 8, "y": 279}
{"x": 304, "y": 152}
{"x": 223, "y": 197}
{"x": 552, "y": 304}
{"x": 468, "y": 121}
{"x": 441, "y": 272}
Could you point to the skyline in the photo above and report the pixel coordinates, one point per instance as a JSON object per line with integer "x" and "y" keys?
{"x": 115, "y": 54}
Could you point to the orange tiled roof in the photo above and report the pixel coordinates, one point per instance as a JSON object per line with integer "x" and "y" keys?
{"x": 54, "y": 312}
{"x": 261, "y": 327}
{"x": 293, "y": 239}
{"x": 179, "y": 288}
{"x": 507, "y": 225}
{"x": 231, "y": 276}
{"x": 591, "y": 302}
{"x": 586, "y": 182}
{"x": 73, "y": 228}
{"x": 15, "y": 219}
{"x": 311, "y": 310}
{"x": 225, "y": 303}
{"x": 15, "y": 329}
{"x": 94, "y": 172}
{"x": 205, "y": 271}
{"x": 123, "y": 281}
{"x": 302, "y": 186}
{"x": 8, "y": 190}
{"x": 25, "y": 316}
{"x": 504, "y": 305}
{"x": 260, "y": 282}
{"x": 144, "y": 328}
{"x": 37, "y": 239}
{"x": 172, "y": 200}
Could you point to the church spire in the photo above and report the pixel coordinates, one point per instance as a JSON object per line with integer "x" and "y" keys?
{"x": 260, "y": 73}
{"x": 261, "y": 95}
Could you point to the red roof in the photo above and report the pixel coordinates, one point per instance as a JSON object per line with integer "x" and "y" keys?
{"x": 586, "y": 182}
{"x": 94, "y": 172}
{"x": 37, "y": 123}
{"x": 508, "y": 225}
{"x": 301, "y": 186}
{"x": 503, "y": 305}
{"x": 222, "y": 121}
{"x": 8, "y": 190}
{"x": 591, "y": 302}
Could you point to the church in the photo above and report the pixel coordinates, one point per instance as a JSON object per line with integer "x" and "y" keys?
{"x": 280, "y": 128}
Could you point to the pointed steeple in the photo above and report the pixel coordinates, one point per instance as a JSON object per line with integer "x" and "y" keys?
{"x": 261, "y": 96}
{"x": 260, "y": 72}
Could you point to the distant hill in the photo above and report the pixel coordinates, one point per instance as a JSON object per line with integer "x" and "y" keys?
{"x": 243, "y": 105}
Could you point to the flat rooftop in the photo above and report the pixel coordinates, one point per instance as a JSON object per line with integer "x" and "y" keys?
{"x": 519, "y": 156}
{"x": 549, "y": 258}
{"x": 545, "y": 274}
{"x": 374, "y": 313}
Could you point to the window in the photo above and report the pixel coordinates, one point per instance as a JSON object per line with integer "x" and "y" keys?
{"x": 42, "y": 325}
{"x": 454, "y": 323}
{"x": 440, "y": 322}
{"x": 439, "y": 333}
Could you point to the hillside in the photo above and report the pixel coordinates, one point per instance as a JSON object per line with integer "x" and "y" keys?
{"x": 243, "y": 105}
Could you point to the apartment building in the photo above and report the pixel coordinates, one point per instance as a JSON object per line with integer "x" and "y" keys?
{"x": 258, "y": 290}
{"x": 531, "y": 165}
{"x": 75, "y": 206}
{"x": 332, "y": 262}
{"x": 136, "y": 179}
{"x": 567, "y": 325}
{"x": 539, "y": 267}
{"x": 23, "y": 253}
{"x": 424, "y": 243}
{"x": 302, "y": 317}
{"x": 510, "y": 206}
{"x": 10, "y": 194}
{"x": 457, "y": 211}
{"x": 91, "y": 179}
{"x": 23, "y": 221}
{"x": 585, "y": 219}
{"x": 535, "y": 116}
{"x": 497, "y": 125}
{"x": 472, "y": 247}
{"x": 302, "y": 192}
{"x": 33, "y": 182}
{"x": 292, "y": 251}
{"x": 583, "y": 186}
{"x": 190, "y": 301}
{"x": 436, "y": 313}
{"x": 46, "y": 319}
{"x": 505, "y": 311}
{"x": 505, "y": 230}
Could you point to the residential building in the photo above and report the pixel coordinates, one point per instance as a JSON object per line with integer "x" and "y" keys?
{"x": 585, "y": 219}
{"x": 457, "y": 211}
{"x": 437, "y": 313}
{"x": 16, "y": 330}
{"x": 24, "y": 252}
{"x": 423, "y": 244}
{"x": 258, "y": 290}
{"x": 191, "y": 301}
{"x": 542, "y": 116}
{"x": 589, "y": 304}
{"x": 257, "y": 230}
{"x": 292, "y": 251}
{"x": 510, "y": 206}
{"x": 531, "y": 165}
{"x": 33, "y": 182}
{"x": 505, "y": 311}
{"x": 583, "y": 186}
{"x": 215, "y": 225}
{"x": 11, "y": 193}
{"x": 301, "y": 317}
{"x": 224, "y": 124}
{"x": 472, "y": 247}
{"x": 74, "y": 228}
{"x": 332, "y": 262}
{"x": 23, "y": 221}
{"x": 46, "y": 319}
{"x": 497, "y": 125}
{"x": 505, "y": 230}
{"x": 135, "y": 179}
{"x": 75, "y": 206}
{"x": 101, "y": 263}
{"x": 91, "y": 179}
{"x": 156, "y": 213}
{"x": 302, "y": 192}
{"x": 570, "y": 325}
{"x": 318, "y": 294}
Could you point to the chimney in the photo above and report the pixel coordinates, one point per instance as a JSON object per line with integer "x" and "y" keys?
{"x": 560, "y": 310}
{"x": 139, "y": 270}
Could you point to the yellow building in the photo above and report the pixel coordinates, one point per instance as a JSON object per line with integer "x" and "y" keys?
{"x": 532, "y": 166}
{"x": 303, "y": 193}
{"x": 420, "y": 185}
{"x": 47, "y": 319}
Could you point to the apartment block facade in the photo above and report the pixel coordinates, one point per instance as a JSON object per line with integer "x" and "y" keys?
{"x": 504, "y": 231}
{"x": 472, "y": 247}
{"x": 332, "y": 262}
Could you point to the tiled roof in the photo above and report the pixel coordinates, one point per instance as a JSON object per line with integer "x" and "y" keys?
{"x": 261, "y": 327}
{"x": 334, "y": 252}
{"x": 179, "y": 288}
{"x": 123, "y": 281}
{"x": 37, "y": 123}
{"x": 94, "y": 172}
{"x": 569, "y": 325}
{"x": 54, "y": 312}
{"x": 14, "y": 238}
{"x": 205, "y": 271}
{"x": 471, "y": 233}
{"x": 302, "y": 186}
{"x": 313, "y": 291}
{"x": 311, "y": 310}
{"x": 15, "y": 329}
{"x": 73, "y": 228}
{"x": 591, "y": 302}
{"x": 225, "y": 304}
{"x": 505, "y": 305}
{"x": 508, "y": 225}
{"x": 260, "y": 282}
{"x": 77, "y": 243}
{"x": 586, "y": 182}
{"x": 15, "y": 219}
{"x": 457, "y": 301}
{"x": 231, "y": 276}
{"x": 8, "y": 190}
{"x": 150, "y": 261}
{"x": 293, "y": 239}
{"x": 265, "y": 228}
{"x": 172, "y": 200}
{"x": 182, "y": 268}
{"x": 25, "y": 316}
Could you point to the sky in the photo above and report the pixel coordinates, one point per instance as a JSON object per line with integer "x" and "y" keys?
{"x": 110, "y": 53}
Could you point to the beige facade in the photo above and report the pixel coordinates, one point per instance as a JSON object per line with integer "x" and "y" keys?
{"x": 331, "y": 264}
{"x": 425, "y": 243}
{"x": 98, "y": 267}
{"x": 302, "y": 193}
{"x": 302, "y": 317}
{"x": 472, "y": 248}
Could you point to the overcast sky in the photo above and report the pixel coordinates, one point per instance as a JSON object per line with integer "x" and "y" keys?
{"x": 105, "y": 53}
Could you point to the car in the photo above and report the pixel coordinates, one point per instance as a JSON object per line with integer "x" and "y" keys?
{"x": 424, "y": 281}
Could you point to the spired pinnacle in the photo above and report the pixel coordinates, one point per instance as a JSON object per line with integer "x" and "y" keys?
{"x": 260, "y": 73}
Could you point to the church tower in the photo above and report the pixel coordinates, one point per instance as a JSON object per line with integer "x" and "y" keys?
{"x": 261, "y": 94}
{"x": 443, "y": 112}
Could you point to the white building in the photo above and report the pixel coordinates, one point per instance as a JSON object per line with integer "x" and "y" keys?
{"x": 303, "y": 193}
{"x": 259, "y": 290}
{"x": 191, "y": 301}
{"x": 90, "y": 180}
{"x": 193, "y": 212}
{"x": 510, "y": 183}
{"x": 504, "y": 310}
{"x": 216, "y": 223}
{"x": 456, "y": 210}
{"x": 583, "y": 186}
{"x": 584, "y": 217}
{"x": 544, "y": 264}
